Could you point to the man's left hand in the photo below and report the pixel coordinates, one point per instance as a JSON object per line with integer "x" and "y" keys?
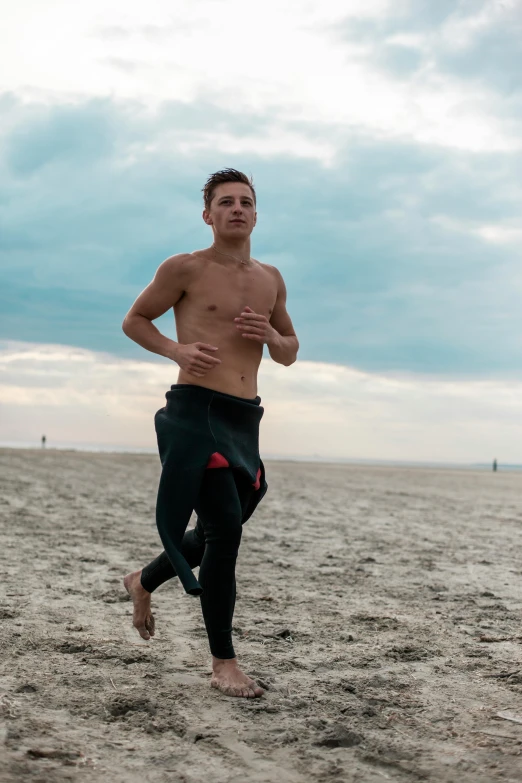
{"x": 255, "y": 327}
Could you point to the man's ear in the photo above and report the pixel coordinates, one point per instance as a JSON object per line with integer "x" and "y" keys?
{"x": 207, "y": 217}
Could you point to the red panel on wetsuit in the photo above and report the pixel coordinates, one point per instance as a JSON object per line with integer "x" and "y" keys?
{"x": 217, "y": 460}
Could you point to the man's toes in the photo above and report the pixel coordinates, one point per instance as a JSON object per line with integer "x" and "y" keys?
{"x": 150, "y": 625}
{"x": 231, "y": 690}
{"x": 249, "y": 691}
{"x": 254, "y": 689}
{"x": 143, "y": 632}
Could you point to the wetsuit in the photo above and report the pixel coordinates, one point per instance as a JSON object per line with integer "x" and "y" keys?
{"x": 209, "y": 448}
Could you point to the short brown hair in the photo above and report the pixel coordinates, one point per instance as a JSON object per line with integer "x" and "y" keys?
{"x": 225, "y": 175}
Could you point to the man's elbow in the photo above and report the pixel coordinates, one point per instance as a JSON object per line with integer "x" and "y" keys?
{"x": 293, "y": 358}
{"x": 127, "y": 324}
{"x": 296, "y": 347}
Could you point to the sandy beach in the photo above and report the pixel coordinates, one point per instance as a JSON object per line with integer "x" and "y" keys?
{"x": 381, "y": 608}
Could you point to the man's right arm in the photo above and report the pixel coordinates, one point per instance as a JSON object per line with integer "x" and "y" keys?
{"x": 161, "y": 294}
{"x": 167, "y": 288}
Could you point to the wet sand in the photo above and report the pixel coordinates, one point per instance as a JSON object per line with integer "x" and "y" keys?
{"x": 380, "y": 606}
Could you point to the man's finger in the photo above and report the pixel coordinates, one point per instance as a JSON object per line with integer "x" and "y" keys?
{"x": 208, "y": 360}
{"x": 202, "y": 367}
{"x": 253, "y": 316}
{"x": 254, "y": 329}
{"x": 258, "y": 320}
{"x": 201, "y": 363}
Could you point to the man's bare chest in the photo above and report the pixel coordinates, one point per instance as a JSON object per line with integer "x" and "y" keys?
{"x": 224, "y": 292}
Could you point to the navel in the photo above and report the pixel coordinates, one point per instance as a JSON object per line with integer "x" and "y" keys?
{"x": 212, "y": 307}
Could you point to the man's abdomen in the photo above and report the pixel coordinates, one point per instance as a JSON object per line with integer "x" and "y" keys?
{"x": 237, "y": 373}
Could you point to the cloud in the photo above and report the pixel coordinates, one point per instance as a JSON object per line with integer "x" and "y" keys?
{"x": 79, "y": 397}
{"x": 65, "y": 135}
{"x": 395, "y": 70}
{"x": 451, "y": 68}
{"x": 504, "y": 233}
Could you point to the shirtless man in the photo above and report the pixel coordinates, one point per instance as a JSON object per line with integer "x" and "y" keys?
{"x": 227, "y": 306}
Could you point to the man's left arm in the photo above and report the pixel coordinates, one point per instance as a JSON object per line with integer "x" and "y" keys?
{"x": 278, "y": 332}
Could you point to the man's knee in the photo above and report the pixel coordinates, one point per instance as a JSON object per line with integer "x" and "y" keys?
{"x": 224, "y": 531}
{"x": 233, "y": 532}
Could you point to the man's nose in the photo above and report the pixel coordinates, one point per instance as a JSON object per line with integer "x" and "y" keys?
{"x": 238, "y": 207}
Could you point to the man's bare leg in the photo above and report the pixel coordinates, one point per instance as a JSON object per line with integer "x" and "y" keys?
{"x": 142, "y": 617}
{"x": 230, "y": 680}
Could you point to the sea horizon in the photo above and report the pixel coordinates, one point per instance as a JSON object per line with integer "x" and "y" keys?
{"x": 103, "y": 448}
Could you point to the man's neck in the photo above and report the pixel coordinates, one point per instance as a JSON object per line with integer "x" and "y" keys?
{"x": 236, "y": 249}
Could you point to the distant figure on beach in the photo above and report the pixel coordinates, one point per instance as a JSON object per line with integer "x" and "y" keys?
{"x": 227, "y": 306}
{"x": 494, "y": 466}
{"x": 44, "y": 440}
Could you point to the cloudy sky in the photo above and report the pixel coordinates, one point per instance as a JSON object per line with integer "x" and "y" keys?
{"x": 385, "y": 141}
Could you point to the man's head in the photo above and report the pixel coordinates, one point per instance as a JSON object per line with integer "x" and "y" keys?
{"x": 230, "y": 204}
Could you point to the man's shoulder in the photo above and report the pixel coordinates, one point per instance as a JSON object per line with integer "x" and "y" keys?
{"x": 180, "y": 263}
{"x": 271, "y": 270}
{"x": 269, "y": 267}
{"x": 180, "y": 259}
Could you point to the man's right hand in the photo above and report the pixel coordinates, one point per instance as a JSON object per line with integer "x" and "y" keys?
{"x": 193, "y": 359}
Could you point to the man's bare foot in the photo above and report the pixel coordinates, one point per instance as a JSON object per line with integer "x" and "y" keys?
{"x": 142, "y": 617}
{"x": 230, "y": 680}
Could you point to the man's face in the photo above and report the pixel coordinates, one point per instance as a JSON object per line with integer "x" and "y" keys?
{"x": 232, "y": 212}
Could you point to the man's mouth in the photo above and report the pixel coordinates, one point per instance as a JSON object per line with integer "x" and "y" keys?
{"x": 237, "y": 221}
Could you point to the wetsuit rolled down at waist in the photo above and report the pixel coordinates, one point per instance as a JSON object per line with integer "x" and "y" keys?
{"x": 199, "y": 429}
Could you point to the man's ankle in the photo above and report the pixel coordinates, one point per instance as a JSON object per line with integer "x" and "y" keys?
{"x": 219, "y": 663}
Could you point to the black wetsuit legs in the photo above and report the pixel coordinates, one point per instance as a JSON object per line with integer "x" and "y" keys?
{"x": 213, "y": 545}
